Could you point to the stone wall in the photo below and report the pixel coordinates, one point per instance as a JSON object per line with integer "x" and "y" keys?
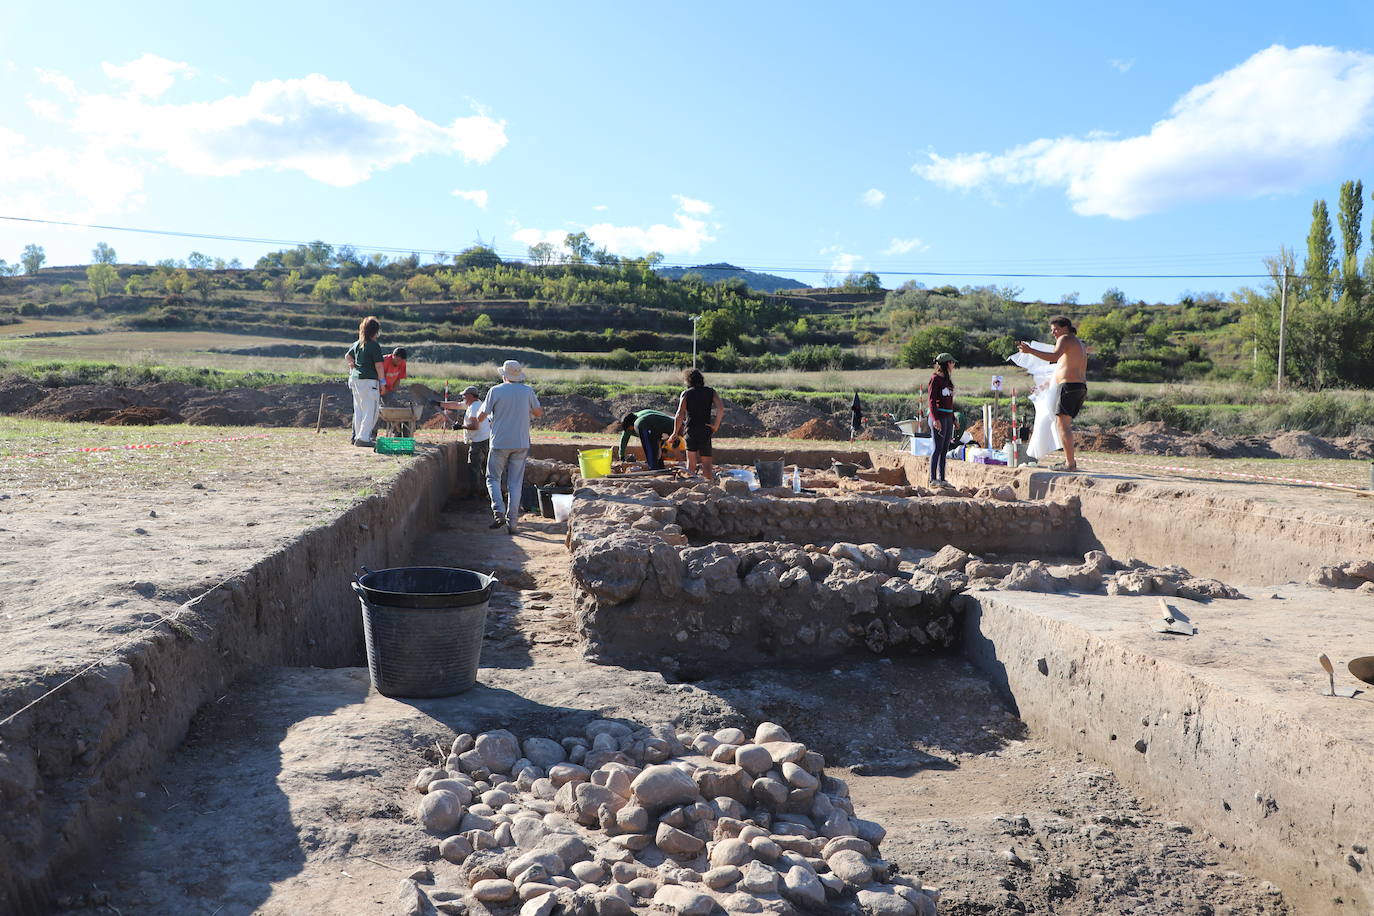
{"x": 786, "y": 578}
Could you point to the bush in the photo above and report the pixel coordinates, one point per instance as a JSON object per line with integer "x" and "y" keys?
{"x": 1139, "y": 370}
{"x": 930, "y": 342}
{"x": 814, "y": 358}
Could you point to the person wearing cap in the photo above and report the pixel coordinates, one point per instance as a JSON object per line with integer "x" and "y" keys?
{"x": 509, "y": 406}
{"x": 942, "y": 418}
{"x": 477, "y": 434}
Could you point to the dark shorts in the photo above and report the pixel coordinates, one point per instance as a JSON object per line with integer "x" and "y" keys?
{"x": 1071, "y": 398}
{"x": 699, "y": 440}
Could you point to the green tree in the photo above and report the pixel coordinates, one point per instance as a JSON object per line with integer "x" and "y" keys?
{"x": 931, "y": 341}
{"x": 482, "y": 323}
{"x": 1113, "y": 298}
{"x": 542, "y": 253}
{"x": 1104, "y": 332}
{"x": 1348, "y": 218}
{"x": 197, "y": 261}
{"x": 477, "y": 256}
{"x": 718, "y": 327}
{"x": 134, "y": 285}
{"x": 33, "y": 258}
{"x": 65, "y": 290}
{"x": 1321, "y": 254}
{"x": 101, "y": 278}
{"x": 422, "y": 286}
{"x": 176, "y": 282}
{"x": 102, "y": 254}
{"x": 579, "y": 246}
{"x": 326, "y": 289}
{"x": 371, "y": 288}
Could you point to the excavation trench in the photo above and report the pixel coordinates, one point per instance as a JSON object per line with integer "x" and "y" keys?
{"x": 1204, "y": 727}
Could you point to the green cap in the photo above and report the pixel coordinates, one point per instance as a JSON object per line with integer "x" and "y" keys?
{"x": 945, "y": 358}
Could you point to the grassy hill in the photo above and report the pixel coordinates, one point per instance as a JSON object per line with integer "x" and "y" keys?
{"x": 715, "y": 273}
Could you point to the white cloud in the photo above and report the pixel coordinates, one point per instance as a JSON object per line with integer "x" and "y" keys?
{"x": 1121, "y": 65}
{"x": 148, "y": 76}
{"x": 477, "y": 197}
{"x": 686, "y": 235}
{"x": 1282, "y": 119}
{"x": 872, "y": 198}
{"x": 601, "y": 208}
{"x": 694, "y": 207}
{"x": 843, "y": 262}
{"x": 74, "y": 185}
{"x": 905, "y": 246}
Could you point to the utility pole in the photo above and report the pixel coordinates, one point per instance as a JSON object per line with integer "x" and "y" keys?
{"x": 695, "y": 319}
{"x": 1283, "y": 325}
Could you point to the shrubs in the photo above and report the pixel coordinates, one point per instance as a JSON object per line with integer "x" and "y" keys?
{"x": 1139, "y": 370}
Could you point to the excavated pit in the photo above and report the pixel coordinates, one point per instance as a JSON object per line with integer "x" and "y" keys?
{"x": 1217, "y": 748}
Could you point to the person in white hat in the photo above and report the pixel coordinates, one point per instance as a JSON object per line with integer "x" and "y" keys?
{"x": 509, "y": 406}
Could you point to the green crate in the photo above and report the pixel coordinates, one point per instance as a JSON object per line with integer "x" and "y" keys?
{"x": 394, "y": 445}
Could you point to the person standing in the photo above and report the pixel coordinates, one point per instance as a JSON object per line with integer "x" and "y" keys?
{"x": 1070, "y": 374}
{"x": 700, "y": 412}
{"x": 477, "y": 434}
{"x": 651, "y": 426}
{"x": 365, "y": 371}
{"x": 509, "y": 406}
{"x": 942, "y": 419}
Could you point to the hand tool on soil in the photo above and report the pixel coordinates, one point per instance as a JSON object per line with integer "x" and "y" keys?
{"x": 319, "y": 421}
{"x": 1347, "y": 692}
{"x": 1173, "y": 621}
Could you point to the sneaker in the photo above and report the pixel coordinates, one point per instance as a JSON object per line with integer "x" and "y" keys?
{"x": 510, "y": 526}
{"x": 497, "y": 522}
{"x": 364, "y": 443}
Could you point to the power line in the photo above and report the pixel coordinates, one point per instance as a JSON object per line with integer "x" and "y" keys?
{"x": 997, "y": 274}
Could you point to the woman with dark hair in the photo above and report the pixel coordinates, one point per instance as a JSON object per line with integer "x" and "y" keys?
{"x": 699, "y": 412}
{"x": 365, "y": 371}
{"x": 942, "y": 418}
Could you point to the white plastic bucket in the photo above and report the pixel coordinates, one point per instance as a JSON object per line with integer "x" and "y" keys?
{"x": 562, "y": 506}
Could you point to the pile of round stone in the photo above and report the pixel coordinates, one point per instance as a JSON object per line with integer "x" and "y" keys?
{"x": 617, "y": 818}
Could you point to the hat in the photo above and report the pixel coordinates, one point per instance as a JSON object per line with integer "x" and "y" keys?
{"x": 472, "y": 390}
{"x": 945, "y": 358}
{"x": 512, "y": 371}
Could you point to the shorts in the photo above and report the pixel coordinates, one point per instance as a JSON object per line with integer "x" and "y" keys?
{"x": 1071, "y": 398}
{"x": 699, "y": 440}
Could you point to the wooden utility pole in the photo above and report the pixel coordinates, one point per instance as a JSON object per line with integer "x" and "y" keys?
{"x": 1283, "y": 326}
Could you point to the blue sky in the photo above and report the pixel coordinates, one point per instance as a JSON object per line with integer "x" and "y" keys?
{"x": 799, "y": 138}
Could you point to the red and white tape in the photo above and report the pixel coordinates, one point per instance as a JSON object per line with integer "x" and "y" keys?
{"x": 1211, "y": 471}
{"x": 117, "y": 448}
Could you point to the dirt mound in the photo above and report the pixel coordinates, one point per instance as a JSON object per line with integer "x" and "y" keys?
{"x": 559, "y": 407}
{"x": 781, "y": 417}
{"x": 438, "y": 421}
{"x": 1152, "y": 438}
{"x": 1001, "y": 430}
{"x": 1358, "y": 447}
{"x": 85, "y": 403}
{"x": 141, "y": 416}
{"x": 1097, "y": 439}
{"x": 739, "y": 423}
{"x": 18, "y": 394}
{"x": 879, "y": 434}
{"x": 819, "y": 428}
{"x": 1304, "y": 445}
{"x": 580, "y": 423}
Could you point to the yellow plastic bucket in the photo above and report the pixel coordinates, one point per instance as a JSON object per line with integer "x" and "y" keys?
{"x": 594, "y": 462}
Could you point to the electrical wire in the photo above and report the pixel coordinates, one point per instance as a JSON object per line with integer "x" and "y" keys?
{"x": 995, "y": 273}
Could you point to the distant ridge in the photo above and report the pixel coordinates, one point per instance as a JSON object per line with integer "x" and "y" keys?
{"x": 714, "y": 273}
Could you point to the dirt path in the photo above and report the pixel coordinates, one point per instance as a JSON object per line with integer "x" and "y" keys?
{"x": 291, "y": 794}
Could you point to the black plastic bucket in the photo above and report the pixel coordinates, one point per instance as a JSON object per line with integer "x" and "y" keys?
{"x": 769, "y": 473}
{"x": 546, "y": 495}
{"x": 424, "y": 627}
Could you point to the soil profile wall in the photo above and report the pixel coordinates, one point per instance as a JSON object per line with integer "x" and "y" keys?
{"x": 1271, "y": 771}
{"x": 70, "y": 765}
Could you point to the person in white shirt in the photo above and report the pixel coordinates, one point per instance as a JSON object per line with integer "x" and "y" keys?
{"x": 510, "y": 405}
{"x": 477, "y": 434}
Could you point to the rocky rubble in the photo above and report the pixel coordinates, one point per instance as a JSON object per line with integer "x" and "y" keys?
{"x": 620, "y": 819}
{"x": 1359, "y": 575}
{"x": 1097, "y": 572}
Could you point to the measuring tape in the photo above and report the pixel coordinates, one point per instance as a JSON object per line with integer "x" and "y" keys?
{"x": 117, "y": 448}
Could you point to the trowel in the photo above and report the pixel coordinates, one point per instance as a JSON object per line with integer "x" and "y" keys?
{"x": 1347, "y": 692}
{"x": 1173, "y": 621}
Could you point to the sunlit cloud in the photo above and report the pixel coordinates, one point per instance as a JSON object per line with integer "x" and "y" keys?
{"x": 905, "y": 246}
{"x": 1281, "y": 120}
{"x": 149, "y": 76}
{"x": 477, "y": 197}
{"x": 685, "y": 235}
{"x": 872, "y": 198}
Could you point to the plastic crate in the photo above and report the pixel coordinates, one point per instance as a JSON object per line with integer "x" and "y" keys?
{"x": 395, "y": 445}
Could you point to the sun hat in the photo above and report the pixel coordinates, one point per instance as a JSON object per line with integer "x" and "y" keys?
{"x": 945, "y": 358}
{"x": 512, "y": 371}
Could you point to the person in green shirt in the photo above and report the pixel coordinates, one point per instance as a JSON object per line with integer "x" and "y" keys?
{"x": 365, "y": 372}
{"x": 651, "y": 426}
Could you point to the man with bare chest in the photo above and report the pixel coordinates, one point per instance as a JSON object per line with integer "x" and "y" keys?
{"x": 1070, "y": 373}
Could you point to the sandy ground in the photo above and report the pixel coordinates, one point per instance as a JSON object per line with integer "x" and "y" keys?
{"x": 291, "y": 793}
{"x": 93, "y": 547}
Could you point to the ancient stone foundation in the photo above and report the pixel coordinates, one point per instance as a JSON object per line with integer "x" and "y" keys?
{"x": 785, "y": 577}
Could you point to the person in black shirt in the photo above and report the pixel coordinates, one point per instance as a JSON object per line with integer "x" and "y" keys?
{"x": 699, "y": 412}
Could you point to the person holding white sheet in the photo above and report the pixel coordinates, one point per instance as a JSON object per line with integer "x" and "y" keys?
{"x": 1070, "y": 375}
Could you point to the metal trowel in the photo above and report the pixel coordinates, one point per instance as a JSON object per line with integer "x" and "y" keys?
{"x": 1333, "y": 691}
{"x": 1173, "y": 621}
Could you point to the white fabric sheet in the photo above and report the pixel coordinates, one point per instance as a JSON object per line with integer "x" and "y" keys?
{"x": 1044, "y": 398}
